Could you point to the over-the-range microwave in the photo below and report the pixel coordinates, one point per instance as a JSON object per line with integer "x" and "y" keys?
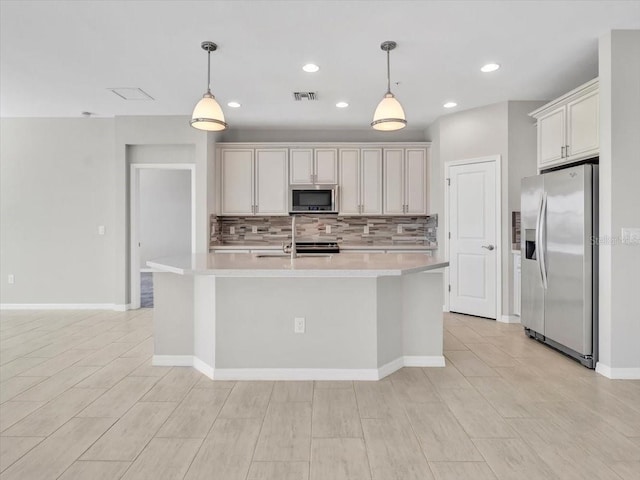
{"x": 313, "y": 199}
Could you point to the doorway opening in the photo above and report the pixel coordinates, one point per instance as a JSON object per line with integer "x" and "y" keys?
{"x": 162, "y": 221}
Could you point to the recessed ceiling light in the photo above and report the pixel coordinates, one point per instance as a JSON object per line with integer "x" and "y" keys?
{"x": 233, "y": 104}
{"x": 342, "y": 104}
{"x": 310, "y": 68}
{"x": 490, "y": 67}
{"x": 450, "y": 105}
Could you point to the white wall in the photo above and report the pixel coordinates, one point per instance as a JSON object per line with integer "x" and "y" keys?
{"x": 165, "y": 213}
{"x": 61, "y": 179}
{"x": 57, "y": 182}
{"x": 619, "y": 310}
{"x": 503, "y": 129}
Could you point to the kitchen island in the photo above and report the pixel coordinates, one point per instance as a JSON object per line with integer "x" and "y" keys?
{"x": 235, "y": 316}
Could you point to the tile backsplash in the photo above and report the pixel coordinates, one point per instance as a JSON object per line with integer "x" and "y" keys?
{"x": 372, "y": 230}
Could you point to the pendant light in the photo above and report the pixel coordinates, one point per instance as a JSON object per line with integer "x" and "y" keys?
{"x": 207, "y": 115}
{"x": 389, "y": 114}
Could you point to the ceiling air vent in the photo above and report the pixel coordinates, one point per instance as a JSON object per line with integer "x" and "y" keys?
{"x": 129, "y": 93}
{"x": 298, "y": 96}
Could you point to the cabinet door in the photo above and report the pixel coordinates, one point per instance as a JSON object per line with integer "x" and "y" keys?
{"x": 393, "y": 181}
{"x": 349, "y": 186}
{"x": 301, "y": 166}
{"x": 416, "y": 181}
{"x": 371, "y": 181}
{"x": 326, "y": 165}
{"x": 551, "y": 136}
{"x": 237, "y": 182}
{"x": 583, "y": 127}
{"x": 271, "y": 182}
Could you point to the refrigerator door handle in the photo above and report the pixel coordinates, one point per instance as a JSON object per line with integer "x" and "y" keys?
{"x": 537, "y": 242}
{"x": 542, "y": 234}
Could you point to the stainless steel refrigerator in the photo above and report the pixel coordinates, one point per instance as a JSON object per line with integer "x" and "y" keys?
{"x": 559, "y": 260}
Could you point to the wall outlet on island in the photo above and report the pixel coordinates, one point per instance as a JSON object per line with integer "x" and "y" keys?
{"x": 298, "y": 325}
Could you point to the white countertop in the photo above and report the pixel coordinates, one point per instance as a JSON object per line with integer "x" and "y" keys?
{"x": 338, "y": 265}
{"x": 342, "y": 247}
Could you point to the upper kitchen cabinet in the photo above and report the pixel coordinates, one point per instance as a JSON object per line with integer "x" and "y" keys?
{"x": 313, "y": 165}
{"x": 360, "y": 181}
{"x": 568, "y": 127}
{"x": 254, "y": 181}
{"x": 405, "y": 181}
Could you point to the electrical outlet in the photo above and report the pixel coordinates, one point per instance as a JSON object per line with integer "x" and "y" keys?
{"x": 11, "y": 279}
{"x": 399, "y": 229}
{"x": 101, "y": 229}
{"x": 298, "y": 325}
{"x": 327, "y": 229}
{"x": 232, "y": 230}
{"x": 366, "y": 229}
{"x": 254, "y": 229}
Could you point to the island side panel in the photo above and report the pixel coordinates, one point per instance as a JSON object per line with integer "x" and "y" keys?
{"x": 173, "y": 319}
{"x": 255, "y": 323}
{"x": 204, "y": 326}
{"x": 422, "y": 299}
{"x": 390, "y": 352}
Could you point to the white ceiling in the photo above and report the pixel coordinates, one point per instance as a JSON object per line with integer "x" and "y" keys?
{"x": 59, "y": 57}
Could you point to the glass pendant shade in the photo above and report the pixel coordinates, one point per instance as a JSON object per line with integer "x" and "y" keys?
{"x": 207, "y": 115}
{"x": 389, "y": 114}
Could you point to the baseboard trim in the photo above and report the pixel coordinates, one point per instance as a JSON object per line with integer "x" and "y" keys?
{"x": 203, "y": 367}
{"x": 361, "y": 374}
{"x": 296, "y": 374}
{"x": 389, "y": 368}
{"x": 423, "y": 361}
{"x": 509, "y": 319}
{"x": 172, "y": 360}
{"x": 62, "y": 306}
{"x": 618, "y": 373}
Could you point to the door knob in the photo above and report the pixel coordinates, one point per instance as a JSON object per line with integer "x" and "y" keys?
{"x": 488, "y": 247}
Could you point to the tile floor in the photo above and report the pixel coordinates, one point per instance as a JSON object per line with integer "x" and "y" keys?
{"x": 80, "y": 400}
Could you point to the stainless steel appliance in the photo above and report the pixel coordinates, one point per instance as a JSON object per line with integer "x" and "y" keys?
{"x": 313, "y": 199}
{"x": 559, "y": 260}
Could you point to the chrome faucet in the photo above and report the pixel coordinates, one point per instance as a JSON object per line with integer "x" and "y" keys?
{"x": 293, "y": 237}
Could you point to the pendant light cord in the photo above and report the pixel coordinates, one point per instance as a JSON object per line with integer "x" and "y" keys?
{"x": 388, "y": 74}
{"x": 209, "y": 71}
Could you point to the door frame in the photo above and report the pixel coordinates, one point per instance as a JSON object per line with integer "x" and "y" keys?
{"x": 497, "y": 160}
{"x": 134, "y": 219}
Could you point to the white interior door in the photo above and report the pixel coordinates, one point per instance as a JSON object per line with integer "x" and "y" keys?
{"x": 472, "y": 247}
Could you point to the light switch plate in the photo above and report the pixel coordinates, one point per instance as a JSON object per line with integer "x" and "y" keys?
{"x": 399, "y": 229}
{"x": 366, "y": 229}
{"x": 232, "y": 230}
{"x": 11, "y": 279}
{"x": 327, "y": 229}
{"x": 101, "y": 230}
{"x": 254, "y": 229}
{"x": 298, "y": 325}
